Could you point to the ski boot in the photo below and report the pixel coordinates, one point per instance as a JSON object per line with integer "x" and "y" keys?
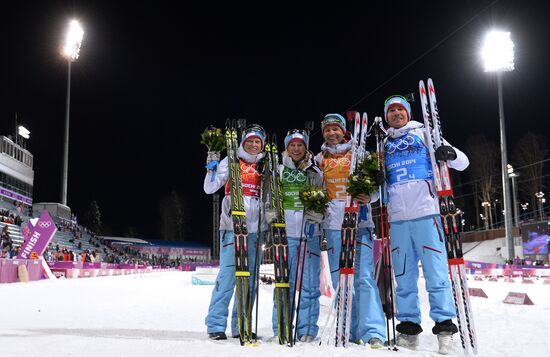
{"x": 307, "y": 338}
{"x": 375, "y": 343}
{"x": 446, "y": 345}
{"x": 407, "y": 341}
{"x": 444, "y": 331}
{"x": 408, "y": 334}
{"x": 217, "y": 336}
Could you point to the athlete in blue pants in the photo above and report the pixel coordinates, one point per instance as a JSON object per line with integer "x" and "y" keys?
{"x": 367, "y": 317}
{"x": 415, "y": 227}
{"x": 297, "y": 170}
{"x": 250, "y": 153}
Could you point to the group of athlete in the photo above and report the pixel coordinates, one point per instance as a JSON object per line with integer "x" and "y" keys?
{"x": 414, "y": 218}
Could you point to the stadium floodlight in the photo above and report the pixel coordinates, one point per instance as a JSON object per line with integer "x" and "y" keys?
{"x": 498, "y": 56}
{"x": 23, "y": 132}
{"x": 71, "y": 50}
{"x": 498, "y": 52}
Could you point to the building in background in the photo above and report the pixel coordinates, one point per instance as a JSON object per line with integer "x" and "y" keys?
{"x": 16, "y": 173}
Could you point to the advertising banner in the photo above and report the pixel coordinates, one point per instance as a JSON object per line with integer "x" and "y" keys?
{"x": 41, "y": 234}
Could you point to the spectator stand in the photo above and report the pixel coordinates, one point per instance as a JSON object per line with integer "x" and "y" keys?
{"x": 164, "y": 253}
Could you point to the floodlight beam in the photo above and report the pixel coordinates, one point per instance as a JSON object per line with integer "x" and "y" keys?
{"x": 73, "y": 41}
{"x": 498, "y": 52}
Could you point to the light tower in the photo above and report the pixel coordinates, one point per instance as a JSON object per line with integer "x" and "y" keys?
{"x": 498, "y": 57}
{"x": 71, "y": 51}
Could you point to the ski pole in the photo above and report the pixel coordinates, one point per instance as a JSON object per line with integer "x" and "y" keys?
{"x": 297, "y": 268}
{"x": 310, "y": 235}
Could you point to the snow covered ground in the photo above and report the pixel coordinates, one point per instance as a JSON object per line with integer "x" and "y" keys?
{"x": 162, "y": 314}
{"x": 488, "y": 251}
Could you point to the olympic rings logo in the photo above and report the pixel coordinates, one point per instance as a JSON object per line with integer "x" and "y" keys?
{"x": 44, "y": 224}
{"x": 341, "y": 161}
{"x": 294, "y": 176}
{"x": 399, "y": 144}
{"x": 249, "y": 170}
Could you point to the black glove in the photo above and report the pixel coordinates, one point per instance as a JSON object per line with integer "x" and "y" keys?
{"x": 379, "y": 178}
{"x": 445, "y": 153}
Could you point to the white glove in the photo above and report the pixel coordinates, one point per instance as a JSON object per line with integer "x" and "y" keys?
{"x": 213, "y": 155}
{"x": 313, "y": 217}
{"x": 270, "y": 215}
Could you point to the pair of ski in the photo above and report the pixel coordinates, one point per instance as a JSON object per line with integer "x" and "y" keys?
{"x": 449, "y": 216}
{"x": 340, "y": 316}
{"x": 240, "y": 230}
{"x": 278, "y": 244}
{"x": 385, "y": 272}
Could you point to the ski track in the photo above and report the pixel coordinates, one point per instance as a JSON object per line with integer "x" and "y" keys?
{"x": 162, "y": 314}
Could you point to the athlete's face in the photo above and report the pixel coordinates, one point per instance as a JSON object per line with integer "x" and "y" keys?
{"x": 296, "y": 150}
{"x": 253, "y": 145}
{"x": 397, "y": 116}
{"x": 333, "y": 134}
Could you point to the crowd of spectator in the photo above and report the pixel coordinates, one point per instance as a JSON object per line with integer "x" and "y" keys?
{"x": 58, "y": 254}
{"x": 98, "y": 249}
{"x": 7, "y": 248}
{"x": 132, "y": 254}
{"x": 7, "y": 216}
{"x": 521, "y": 261}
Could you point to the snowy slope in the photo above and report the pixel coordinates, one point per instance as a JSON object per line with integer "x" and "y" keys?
{"x": 488, "y": 251}
{"x": 162, "y": 314}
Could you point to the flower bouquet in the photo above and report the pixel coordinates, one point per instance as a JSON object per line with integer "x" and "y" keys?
{"x": 314, "y": 198}
{"x": 214, "y": 140}
{"x": 362, "y": 181}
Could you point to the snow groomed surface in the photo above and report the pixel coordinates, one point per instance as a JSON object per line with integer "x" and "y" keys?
{"x": 162, "y": 314}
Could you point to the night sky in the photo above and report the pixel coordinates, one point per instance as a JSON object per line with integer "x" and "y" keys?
{"x": 152, "y": 75}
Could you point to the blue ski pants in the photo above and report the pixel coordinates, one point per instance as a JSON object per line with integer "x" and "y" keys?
{"x": 367, "y": 316}
{"x": 334, "y": 246}
{"x": 309, "y": 301}
{"x": 423, "y": 240}
{"x": 216, "y": 320}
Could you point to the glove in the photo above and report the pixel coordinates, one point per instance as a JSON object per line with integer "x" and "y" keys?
{"x": 379, "y": 178}
{"x": 313, "y": 217}
{"x": 270, "y": 215}
{"x": 445, "y": 153}
{"x": 213, "y": 156}
{"x": 212, "y": 161}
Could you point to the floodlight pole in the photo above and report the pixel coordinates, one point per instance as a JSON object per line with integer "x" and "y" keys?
{"x": 71, "y": 51}
{"x": 505, "y": 182}
{"x": 66, "y": 139}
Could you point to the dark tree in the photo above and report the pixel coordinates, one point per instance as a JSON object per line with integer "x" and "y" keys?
{"x": 484, "y": 164}
{"x": 92, "y": 217}
{"x": 528, "y": 158}
{"x": 171, "y": 211}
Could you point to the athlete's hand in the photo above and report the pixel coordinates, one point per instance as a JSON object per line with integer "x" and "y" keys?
{"x": 445, "y": 153}
{"x": 362, "y": 199}
{"x": 313, "y": 217}
{"x": 213, "y": 155}
{"x": 270, "y": 215}
{"x": 212, "y": 160}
